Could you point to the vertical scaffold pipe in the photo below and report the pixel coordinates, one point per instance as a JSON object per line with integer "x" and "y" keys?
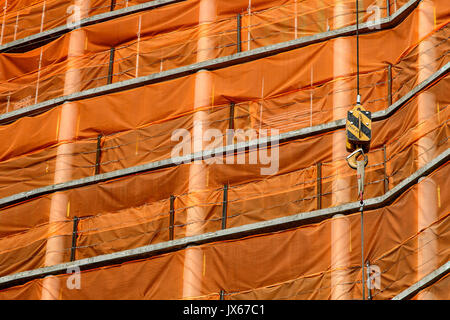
{"x": 340, "y": 241}
{"x": 66, "y": 133}
{"x": 196, "y": 213}
{"x": 427, "y": 207}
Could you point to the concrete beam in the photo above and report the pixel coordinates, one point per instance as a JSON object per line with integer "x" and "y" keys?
{"x": 265, "y": 141}
{"x": 223, "y": 62}
{"x": 44, "y": 36}
{"x": 383, "y": 114}
{"x": 273, "y": 225}
{"x": 424, "y": 283}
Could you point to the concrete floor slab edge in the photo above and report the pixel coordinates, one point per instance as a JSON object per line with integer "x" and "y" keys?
{"x": 291, "y": 135}
{"x": 226, "y": 234}
{"x": 213, "y": 64}
{"x": 424, "y": 282}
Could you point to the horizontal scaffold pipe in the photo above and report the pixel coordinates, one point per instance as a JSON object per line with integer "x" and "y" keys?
{"x": 229, "y": 149}
{"x": 425, "y": 282}
{"x": 273, "y": 225}
{"x": 42, "y": 37}
{"x": 214, "y": 64}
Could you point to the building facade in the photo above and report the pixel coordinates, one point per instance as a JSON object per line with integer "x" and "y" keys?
{"x": 196, "y": 149}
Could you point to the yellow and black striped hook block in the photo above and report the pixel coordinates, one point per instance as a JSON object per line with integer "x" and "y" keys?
{"x": 359, "y": 129}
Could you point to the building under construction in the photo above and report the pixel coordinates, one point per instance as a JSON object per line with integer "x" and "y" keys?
{"x": 196, "y": 149}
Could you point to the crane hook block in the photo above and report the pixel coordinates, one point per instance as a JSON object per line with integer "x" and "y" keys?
{"x": 359, "y": 129}
{"x": 352, "y": 159}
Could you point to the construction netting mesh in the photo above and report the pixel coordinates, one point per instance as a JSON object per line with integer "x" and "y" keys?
{"x": 438, "y": 289}
{"x": 155, "y": 41}
{"x": 288, "y": 91}
{"x": 23, "y": 18}
{"x": 134, "y": 211}
{"x": 100, "y": 135}
{"x": 244, "y": 268}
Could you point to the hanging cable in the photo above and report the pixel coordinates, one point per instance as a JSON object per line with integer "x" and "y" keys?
{"x": 360, "y": 167}
{"x": 360, "y": 164}
{"x": 361, "y": 209}
{"x": 358, "y": 97}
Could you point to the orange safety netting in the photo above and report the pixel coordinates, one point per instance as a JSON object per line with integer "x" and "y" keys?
{"x": 289, "y": 91}
{"x": 22, "y": 18}
{"x": 436, "y": 291}
{"x": 305, "y": 268}
{"x": 299, "y": 97}
{"x": 134, "y": 211}
{"x": 155, "y": 41}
